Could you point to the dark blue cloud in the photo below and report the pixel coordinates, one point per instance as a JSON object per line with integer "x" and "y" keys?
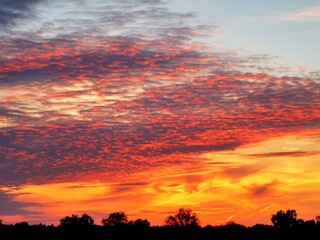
{"x": 11, "y": 10}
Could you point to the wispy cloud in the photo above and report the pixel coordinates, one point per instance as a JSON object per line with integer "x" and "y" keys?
{"x": 262, "y": 190}
{"x": 311, "y": 14}
{"x": 10, "y": 206}
{"x": 284, "y": 154}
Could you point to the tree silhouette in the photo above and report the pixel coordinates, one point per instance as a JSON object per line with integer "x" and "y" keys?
{"x": 184, "y": 218}
{"x": 284, "y": 219}
{"x": 115, "y": 219}
{"x": 86, "y": 220}
{"x": 74, "y": 220}
{"x": 140, "y": 223}
{"x": 22, "y": 225}
{"x": 184, "y": 225}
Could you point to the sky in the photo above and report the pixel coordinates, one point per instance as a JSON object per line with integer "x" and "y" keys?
{"x": 147, "y": 106}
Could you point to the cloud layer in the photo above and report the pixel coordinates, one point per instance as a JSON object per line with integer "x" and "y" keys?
{"x": 78, "y": 104}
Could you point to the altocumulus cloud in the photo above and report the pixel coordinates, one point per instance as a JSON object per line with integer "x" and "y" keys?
{"x": 113, "y": 88}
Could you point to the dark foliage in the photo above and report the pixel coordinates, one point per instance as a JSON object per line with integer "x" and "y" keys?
{"x": 284, "y": 219}
{"x": 116, "y": 219}
{"x": 74, "y": 220}
{"x": 183, "y": 219}
{"x": 118, "y": 227}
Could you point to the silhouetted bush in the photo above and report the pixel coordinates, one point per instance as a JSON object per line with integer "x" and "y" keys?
{"x": 116, "y": 219}
{"x": 184, "y": 218}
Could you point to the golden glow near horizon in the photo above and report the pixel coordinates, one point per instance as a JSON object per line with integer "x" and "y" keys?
{"x": 246, "y": 185}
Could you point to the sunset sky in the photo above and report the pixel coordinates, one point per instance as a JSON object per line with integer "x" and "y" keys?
{"x": 146, "y": 106}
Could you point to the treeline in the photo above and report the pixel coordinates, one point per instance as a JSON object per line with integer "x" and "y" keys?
{"x": 184, "y": 225}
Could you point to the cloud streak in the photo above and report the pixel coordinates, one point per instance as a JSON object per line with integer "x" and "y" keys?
{"x": 10, "y": 207}
{"x": 311, "y": 14}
